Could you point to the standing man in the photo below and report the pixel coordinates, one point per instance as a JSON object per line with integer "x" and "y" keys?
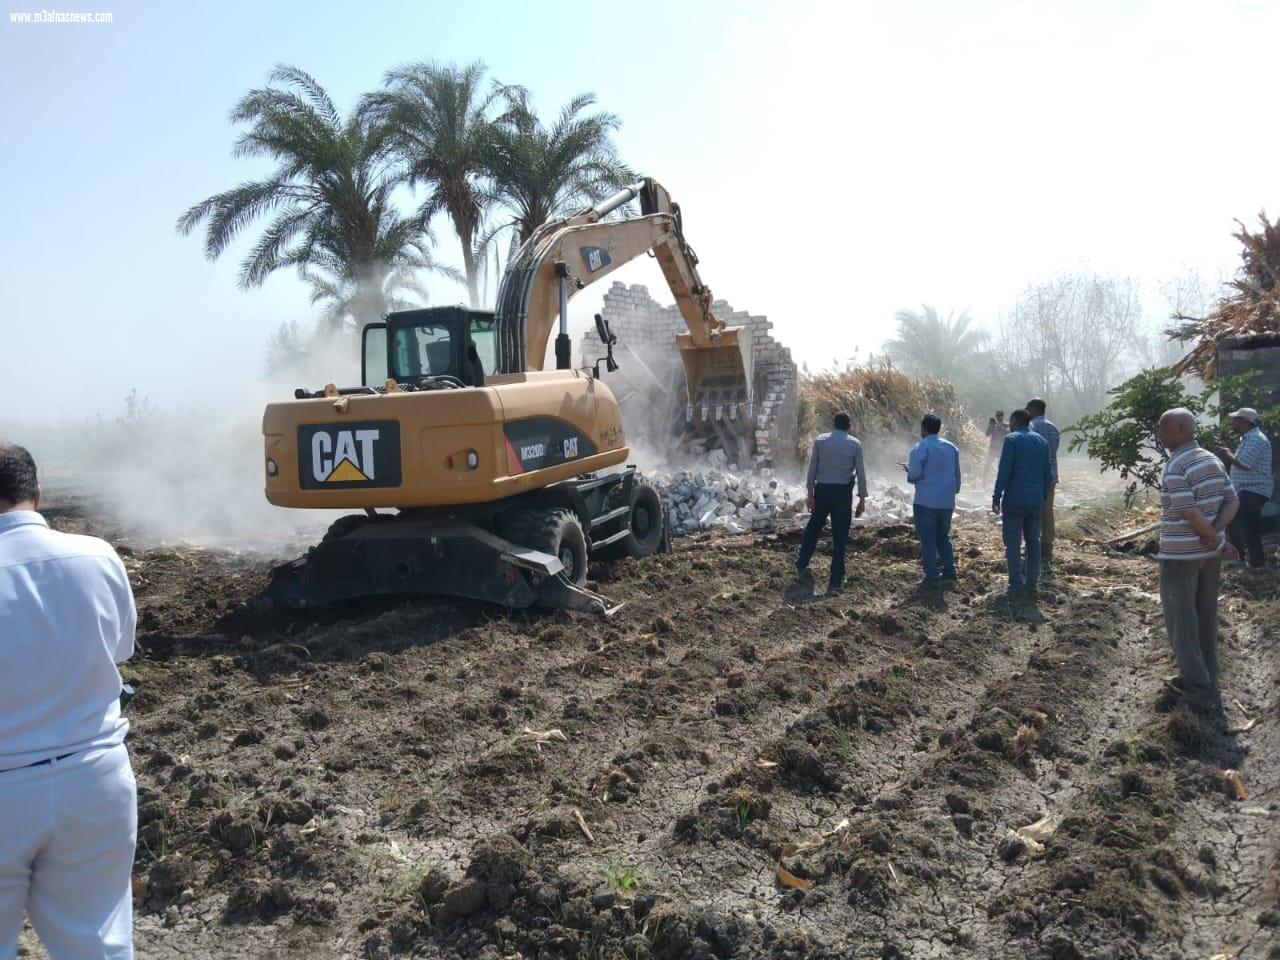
{"x": 997, "y": 430}
{"x": 934, "y": 468}
{"x": 68, "y": 800}
{"x": 1021, "y": 484}
{"x": 836, "y": 458}
{"x": 1045, "y": 428}
{"x": 1197, "y": 502}
{"x": 1251, "y": 476}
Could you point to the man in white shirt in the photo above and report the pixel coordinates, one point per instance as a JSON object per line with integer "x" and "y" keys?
{"x": 68, "y": 799}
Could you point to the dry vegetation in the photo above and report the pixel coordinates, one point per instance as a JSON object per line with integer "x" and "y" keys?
{"x": 882, "y": 400}
{"x": 1252, "y": 308}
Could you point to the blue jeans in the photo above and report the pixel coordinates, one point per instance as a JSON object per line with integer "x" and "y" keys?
{"x": 933, "y": 527}
{"x": 834, "y": 500}
{"x": 1019, "y": 525}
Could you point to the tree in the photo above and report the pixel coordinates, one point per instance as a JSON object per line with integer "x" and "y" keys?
{"x": 1187, "y": 293}
{"x": 401, "y": 255}
{"x": 540, "y": 173}
{"x": 440, "y": 124}
{"x": 288, "y": 350}
{"x": 927, "y": 345}
{"x": 329, "y": 198}
{"x": 1071, "y": 335}
{"x": 1123, "y": 438}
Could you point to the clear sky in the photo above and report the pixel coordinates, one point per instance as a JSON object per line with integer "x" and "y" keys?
{"x": 835, "y": 161}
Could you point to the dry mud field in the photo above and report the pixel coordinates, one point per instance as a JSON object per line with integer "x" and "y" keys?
{"x": 443, "y": 779}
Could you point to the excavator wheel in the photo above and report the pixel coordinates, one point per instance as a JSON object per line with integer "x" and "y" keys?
{"x": 555, "y": 531}
{"x": 647, "y": 521}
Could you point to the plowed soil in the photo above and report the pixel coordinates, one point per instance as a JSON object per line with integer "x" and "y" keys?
{"x": 446, "y": 779}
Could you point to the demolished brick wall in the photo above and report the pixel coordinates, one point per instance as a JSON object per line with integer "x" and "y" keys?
{"x": 647, "y": 330}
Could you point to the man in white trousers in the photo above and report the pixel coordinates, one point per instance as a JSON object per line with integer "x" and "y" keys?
{"x": 68, "y": 800}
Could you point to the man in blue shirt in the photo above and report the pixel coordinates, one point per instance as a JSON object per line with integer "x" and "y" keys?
{"x": 834, "y": 462}
{"x": 934, "y": 469}
{"x": 1022, "y": 483}
{"x": 1046, "y": 428}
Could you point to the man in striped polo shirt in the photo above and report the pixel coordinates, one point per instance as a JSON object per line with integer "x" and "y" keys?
{"x": 1197, "y": 502}
{"x": 1251, "y": 476}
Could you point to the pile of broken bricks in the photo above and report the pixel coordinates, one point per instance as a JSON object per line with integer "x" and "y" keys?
{"x": 717, "y": 499}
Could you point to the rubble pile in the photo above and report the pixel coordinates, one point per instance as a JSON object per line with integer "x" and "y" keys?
{"x": 892, "y": 504}
{"x": 721, "y": 499}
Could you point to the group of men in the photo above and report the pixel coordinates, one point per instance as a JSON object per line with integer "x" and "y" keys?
{"x": 1207, "y": 515}
{"x": 1026, "y": 479}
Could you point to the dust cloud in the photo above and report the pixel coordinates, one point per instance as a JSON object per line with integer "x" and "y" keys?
{"x": 184, "y": 471}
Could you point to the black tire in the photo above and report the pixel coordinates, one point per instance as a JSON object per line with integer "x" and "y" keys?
{"x": 344, "y": 525}
{"x": 647, "y": 521}
{"x": 556, "y": 531}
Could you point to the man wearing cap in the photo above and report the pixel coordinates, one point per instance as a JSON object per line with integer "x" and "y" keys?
{"x": 1251, "y": 476}
{"x": 68, "y": 799}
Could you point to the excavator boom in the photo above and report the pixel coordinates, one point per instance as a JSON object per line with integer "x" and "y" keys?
{"x": 564, "y": 256}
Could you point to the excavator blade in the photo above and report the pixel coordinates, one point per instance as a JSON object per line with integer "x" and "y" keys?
{"x": 391, "y": 555}
{"x": 720, "y": 399}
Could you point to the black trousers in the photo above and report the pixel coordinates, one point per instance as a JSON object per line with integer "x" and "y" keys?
{"x": 1245, "y": 531}
{"x": 834, "y": 500}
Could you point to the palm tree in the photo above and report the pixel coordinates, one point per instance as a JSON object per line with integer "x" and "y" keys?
{"x": 439, "y": 121}
{"x": 329, "y": 198}
{"x": 540, "y": 173}
{"x": 928, "y": 345}
{"x": 401, "y": 255}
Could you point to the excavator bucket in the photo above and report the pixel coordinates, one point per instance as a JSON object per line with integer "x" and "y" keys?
{"x": 719, "y": 390}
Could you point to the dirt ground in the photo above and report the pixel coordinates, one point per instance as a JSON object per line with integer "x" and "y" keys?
{"x": 444, "y": 779}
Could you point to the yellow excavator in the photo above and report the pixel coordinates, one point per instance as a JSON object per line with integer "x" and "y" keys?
{"x": 504, "y": 477}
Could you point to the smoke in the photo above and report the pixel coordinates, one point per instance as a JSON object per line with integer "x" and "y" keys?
{"x": 186, "y": 470}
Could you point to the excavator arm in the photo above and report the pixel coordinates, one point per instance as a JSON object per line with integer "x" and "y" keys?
{"x": 565, "y": 256}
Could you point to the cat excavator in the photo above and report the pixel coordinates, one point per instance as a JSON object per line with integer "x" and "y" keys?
{"x": 479, "y": 472}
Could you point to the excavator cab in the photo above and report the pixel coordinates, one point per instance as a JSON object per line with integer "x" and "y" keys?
{"x": 433, "y": 348}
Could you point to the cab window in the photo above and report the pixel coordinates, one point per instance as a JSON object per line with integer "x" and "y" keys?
{"x": 375, "y": 355}
{"x": 485, "y": 339}
{"x": 425, "y": 350}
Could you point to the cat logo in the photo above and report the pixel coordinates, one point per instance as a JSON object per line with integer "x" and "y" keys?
{"x": 334, "y": 460}
{"x": 351, "y": 455}
{"x": 595, "y": 258}
{"x": 540, "y": 442}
